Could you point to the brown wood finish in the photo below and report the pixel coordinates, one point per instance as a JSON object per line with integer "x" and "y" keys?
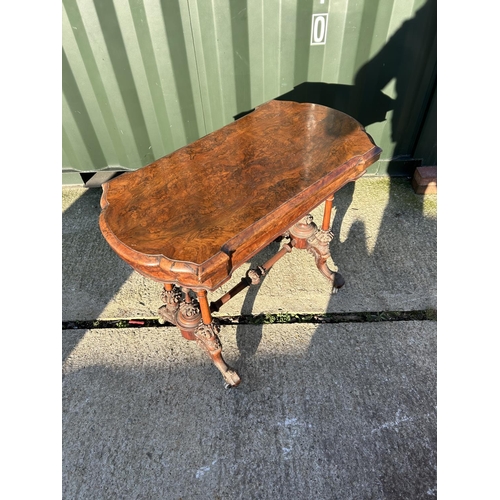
{"x": 191, "y": 218}
{"x": 194, "y": 216}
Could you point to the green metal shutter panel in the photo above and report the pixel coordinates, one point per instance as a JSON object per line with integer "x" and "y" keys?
{"x": 142, "y": 78}
{"x": 130, "y": 92}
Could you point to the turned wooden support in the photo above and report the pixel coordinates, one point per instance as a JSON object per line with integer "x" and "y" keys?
{"x": 215, "y": 306}
{"x": 327, "y": 214}
{"x": 302, "y": 231}
{"x": 206, "y": 315}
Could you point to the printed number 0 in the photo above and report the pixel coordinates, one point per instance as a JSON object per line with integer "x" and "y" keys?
{"x": 319, "y": 29}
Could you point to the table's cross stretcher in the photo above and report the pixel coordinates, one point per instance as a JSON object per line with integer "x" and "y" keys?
{"x": 186, "y": 221}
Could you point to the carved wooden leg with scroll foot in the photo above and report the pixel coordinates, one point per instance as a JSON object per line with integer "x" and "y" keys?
{"x": 206, "y": 336}
{"x": 337, "y": 279}
{"x": 319, "y": 246}
{"x": 307, "y": 236}
{"x": 194, "y": 320}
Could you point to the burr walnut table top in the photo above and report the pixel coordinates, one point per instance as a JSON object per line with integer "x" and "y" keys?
{"x": 195, "y": 215}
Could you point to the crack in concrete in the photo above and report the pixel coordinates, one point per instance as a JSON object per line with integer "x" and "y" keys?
{"x": 262, "y": 319}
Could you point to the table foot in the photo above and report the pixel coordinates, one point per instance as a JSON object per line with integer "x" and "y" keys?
{"x": 338, "y": 282}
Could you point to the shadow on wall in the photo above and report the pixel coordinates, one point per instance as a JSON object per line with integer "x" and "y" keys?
{"x": 345, "y": 98}
{"x": 408, "y": 58}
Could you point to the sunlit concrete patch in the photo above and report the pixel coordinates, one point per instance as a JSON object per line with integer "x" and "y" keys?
{"x": 70, "y": 195}
{"x": 127, "y": 348}
{"x": 429, "y": 204}
{"x": 367, "y": 207}
{"x": 137, "y": 297}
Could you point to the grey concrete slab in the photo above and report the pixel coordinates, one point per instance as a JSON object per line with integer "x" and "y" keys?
{"x": 323, "y": 411}
{"x": 385, "y": 247}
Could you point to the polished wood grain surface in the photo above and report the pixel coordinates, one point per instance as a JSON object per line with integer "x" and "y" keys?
{"x": 194, "y": 216}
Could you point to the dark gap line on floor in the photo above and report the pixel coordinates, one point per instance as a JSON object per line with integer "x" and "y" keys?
{"x": 264, "y": 319}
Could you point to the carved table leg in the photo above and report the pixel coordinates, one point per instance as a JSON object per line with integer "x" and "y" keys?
{"x": 206, "y": 336}
{"x": 188, "y": 316}
{"x": 306, "y": 235}
{"x": 183, "y": 313}
{"x": 318, "y": 245}
{"x": 171, "y": 296}
{"x": 194, "y": 320}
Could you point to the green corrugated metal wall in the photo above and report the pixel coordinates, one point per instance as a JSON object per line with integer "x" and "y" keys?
{"x": 142, "y": 78}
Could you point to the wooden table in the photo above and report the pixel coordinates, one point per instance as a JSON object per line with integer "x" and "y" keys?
{"x": 189, "y": 219}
